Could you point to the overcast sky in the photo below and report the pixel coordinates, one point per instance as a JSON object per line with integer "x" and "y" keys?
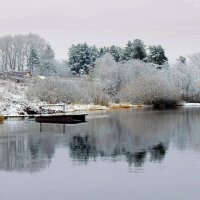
{"x": 175, "y": 24}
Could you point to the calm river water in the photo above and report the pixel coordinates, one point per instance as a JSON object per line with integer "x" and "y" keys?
{"x": 136, "y": 154}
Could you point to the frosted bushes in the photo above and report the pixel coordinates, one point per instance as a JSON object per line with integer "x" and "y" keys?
{"x": 166, "y": 86}
{"x": 194, "y": 93}
{"x": 52, "y": 90}
{"x": 11, "y": 91}
{"x": 108, "y": 74}
{"x": 134, "y": 82}
{"x": 154, "y": 90}
{"x": 130, "y": 81}
{"x": 49, "y": 90}
{"x": 113, "y": 76}
{"x": 186, "y": 78}
{"x": 95, "y": 93}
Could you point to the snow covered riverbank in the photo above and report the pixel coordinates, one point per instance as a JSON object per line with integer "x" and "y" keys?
{"x": 14, "y": 102}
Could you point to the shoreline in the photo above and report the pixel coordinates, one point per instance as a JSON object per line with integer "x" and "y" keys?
{"x": 53, "y": 109}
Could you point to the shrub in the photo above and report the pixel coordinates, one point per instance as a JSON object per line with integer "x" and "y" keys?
{"x": 53, "y": 90}
{"x": 155, "y": 90}
{"x": 113, "y": 76}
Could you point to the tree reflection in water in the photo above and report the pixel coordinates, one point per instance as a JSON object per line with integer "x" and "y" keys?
{"x": 137, "y": 159}
{"x": 82, "y": 148}
{"x": 158, "y": 152}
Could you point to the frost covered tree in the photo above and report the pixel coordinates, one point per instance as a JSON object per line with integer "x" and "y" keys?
{"x": 114, "y": 76}
{"x": 109, "y": 74}
{"x": 47, "y": 62}
{"x": 195, "y": 60}
{"x": 82, "y": 57}
{"x": 115, "y": 51}
{"x": 135, "y": 50}
{"x": 62, "y": 69}
{"x": 135, "y": 68}
{"x": 94, "y": 52}
{"x": 156, "y": 55}
{"x": 103, "y": 51}
{"x": 33, "y": 61}
{"x": 15, "y": 51}
{"x": 187, "y": 78}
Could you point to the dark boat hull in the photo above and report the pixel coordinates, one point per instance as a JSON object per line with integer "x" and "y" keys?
{"x": 61, "y": 119}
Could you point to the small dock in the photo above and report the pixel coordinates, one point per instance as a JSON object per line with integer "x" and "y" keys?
{"x": 55, "y": 118}
{"x": 62, "y": 119}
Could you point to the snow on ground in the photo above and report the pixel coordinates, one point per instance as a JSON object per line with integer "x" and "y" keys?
{"x": 12, "y": 97}
{"x": 190, "y": 104}
{"x": 13, "y": 102}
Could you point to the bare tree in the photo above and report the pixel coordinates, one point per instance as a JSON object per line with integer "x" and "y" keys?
{"x": 15, "y": 51}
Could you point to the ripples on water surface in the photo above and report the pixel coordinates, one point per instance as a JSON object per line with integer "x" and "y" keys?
{"x": 143, "y": 154}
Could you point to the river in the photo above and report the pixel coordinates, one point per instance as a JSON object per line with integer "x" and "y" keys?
{"x": 128, "y": 154}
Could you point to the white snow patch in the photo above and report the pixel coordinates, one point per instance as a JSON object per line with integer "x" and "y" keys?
{"x": 42, "y": 77}
{"x": 190, "y": 104}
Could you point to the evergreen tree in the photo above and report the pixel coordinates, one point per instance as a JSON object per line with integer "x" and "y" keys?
{"x": 157, "y": 55}
{"x": 47, "y": 65}
{"x": 82, "y": 58}
{"x": 116, "y": 52}
{"x": 94, "y": 54}
{"x": 103, "y": 51}
{"x": 135, "y": 50}
{"x": 33, "y": 60}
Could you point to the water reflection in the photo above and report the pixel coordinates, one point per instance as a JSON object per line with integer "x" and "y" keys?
{"x": 137, "y": 159}
{"x": 158, "y": 152}
{"x": 25, "y": 152}
{"x": 82, "y": 148}
{"x": 135, "y": 137}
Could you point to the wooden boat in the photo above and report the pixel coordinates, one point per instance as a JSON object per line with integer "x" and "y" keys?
{"x": 61, "y": 119}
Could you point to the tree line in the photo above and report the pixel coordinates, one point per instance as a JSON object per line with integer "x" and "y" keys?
{"x": 82, "y": 57}
{"x": 33, "y": 53}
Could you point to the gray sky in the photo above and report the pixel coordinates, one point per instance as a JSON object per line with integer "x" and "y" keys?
{"x": 175, "y": 24}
